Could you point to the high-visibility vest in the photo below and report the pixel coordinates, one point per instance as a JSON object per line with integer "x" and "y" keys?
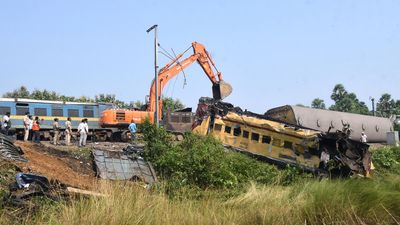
{"x": 35, "y": 126}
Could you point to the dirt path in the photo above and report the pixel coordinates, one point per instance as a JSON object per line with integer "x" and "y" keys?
{"x": 66, "y": 169}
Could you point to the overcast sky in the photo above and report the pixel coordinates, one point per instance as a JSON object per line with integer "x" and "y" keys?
{"x": 272, "y": 52}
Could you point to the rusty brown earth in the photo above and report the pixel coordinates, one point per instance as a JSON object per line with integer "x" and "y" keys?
{"x": 58, "y": 164}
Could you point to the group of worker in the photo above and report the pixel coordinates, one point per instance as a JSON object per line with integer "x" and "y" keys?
{"x": 83, "y": 131}
{"x": 32, "y": 129}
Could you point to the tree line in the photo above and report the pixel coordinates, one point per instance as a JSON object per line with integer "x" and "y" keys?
{"x": 23, "y": 92}
{"x": 345, "y": 101}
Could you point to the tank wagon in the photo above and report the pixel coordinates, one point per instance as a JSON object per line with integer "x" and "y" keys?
{"x": 375, "y": 128}
{"x": 48, "y": 110}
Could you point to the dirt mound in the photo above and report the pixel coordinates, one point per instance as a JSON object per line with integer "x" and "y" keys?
{"x": 66, "y": 168}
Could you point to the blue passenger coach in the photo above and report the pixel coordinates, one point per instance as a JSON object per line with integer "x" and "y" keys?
{"x": 48, "y": 110}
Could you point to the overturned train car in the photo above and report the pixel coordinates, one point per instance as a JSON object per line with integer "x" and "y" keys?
{"x": 282, "y": 143}
{"x": 375, "y": 128}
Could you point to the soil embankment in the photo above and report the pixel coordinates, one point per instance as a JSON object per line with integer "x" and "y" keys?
{"x": 62, "y": 165}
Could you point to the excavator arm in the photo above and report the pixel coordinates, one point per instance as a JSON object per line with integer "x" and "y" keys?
{"x": 220, "y": 88}
{"x": 121, "y": 118}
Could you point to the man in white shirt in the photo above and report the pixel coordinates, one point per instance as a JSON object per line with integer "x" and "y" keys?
{"x": 324, "y": 159}
{"x": 68, "y": 131}
{"x": 83, "y": 130}
{"x": 363, "y": 138}
{"x": 5, "y": 126}
{"x": 56, "y": 130}
{"x": 30, "y": 126}
{"x": 26, "y": 123}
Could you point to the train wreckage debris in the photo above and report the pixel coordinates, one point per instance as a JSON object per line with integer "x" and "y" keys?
{"x": 9, "y": 151}
{"x": 127, "y": 164}
{"x": 283, "y": 143}
{"x": 29, "y": 185}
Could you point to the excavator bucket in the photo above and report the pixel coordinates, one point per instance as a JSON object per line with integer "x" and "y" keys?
{"x": 221, "y": 90}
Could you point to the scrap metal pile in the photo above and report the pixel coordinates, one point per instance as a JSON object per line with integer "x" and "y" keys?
{"x": 29, "y": 185}
{"x": 8, "y": 151}
{"x": 127, "y": 164}
{"x": 283, "y": 143}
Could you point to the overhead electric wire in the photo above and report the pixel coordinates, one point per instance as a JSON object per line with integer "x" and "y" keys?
{"x": 165, "y": 53}
{"x": 184, "y": 75}
{"x": 174, "y": 58}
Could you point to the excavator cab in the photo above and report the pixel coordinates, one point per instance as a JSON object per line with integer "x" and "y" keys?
{"x": 221, "y": 90}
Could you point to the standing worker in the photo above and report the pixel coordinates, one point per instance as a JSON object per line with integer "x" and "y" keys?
{"x": 132, "y": 128}
{"x": 363, "y": 138}
{"x": 30, "y": 127}
{"x": 6, "y": 123}
{"x": 56, "y": 130}
{"x": 36, "y": 130}
{"x": 26, "y": 123}
{"x": 324, "y": 159}
{"x": 68, "y": 131}
{"x": 83, "y": 130}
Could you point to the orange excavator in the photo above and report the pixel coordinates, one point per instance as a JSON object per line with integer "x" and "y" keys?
{"x": 121, "y": 118}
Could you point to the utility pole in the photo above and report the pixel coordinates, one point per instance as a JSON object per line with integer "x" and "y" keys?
{"x": 154, "y": 27}
{"x": 373, "y": 105}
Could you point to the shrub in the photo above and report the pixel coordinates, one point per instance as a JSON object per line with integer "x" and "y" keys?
{"x": 202, "y": 161}
{"x": 387, "y": 160}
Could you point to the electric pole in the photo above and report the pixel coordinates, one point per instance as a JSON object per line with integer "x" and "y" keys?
{"x": 154, "y": 27}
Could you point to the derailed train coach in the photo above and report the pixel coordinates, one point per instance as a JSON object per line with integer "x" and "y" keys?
{"x": 280, "y": 143}
{"x": 375, "y": 128}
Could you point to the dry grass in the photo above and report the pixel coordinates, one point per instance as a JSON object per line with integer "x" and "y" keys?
{"x": 327, "y": 202}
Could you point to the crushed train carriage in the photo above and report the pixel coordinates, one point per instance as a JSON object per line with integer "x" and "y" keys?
{"x": 281, "y": 143}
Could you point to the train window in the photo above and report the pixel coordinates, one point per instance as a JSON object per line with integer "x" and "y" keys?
{"x": 288, "y": 144}
{"x": 228, "y": 129}
{"x": 276, "y": 142}
{"x": 88, "y": 113}
{"x": 314, "y": 151}
{"x": 255, "y": 137}
{"x": 40, "y": 112}
{"x": 174, "y": 118}
{"x": 57, "y": 112}
{"x": 218, "y": 127}
{"x": 237, "y": 131}
{"x": 307, "y": 154}
{"x": 73, "y": 113}
{"x": 266, "y": 139}
{"x": 245, "y": 134}
{"x": 186, "y": 119}
{"x": 22, "y": 110}
{"x": 4, "y": 110}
